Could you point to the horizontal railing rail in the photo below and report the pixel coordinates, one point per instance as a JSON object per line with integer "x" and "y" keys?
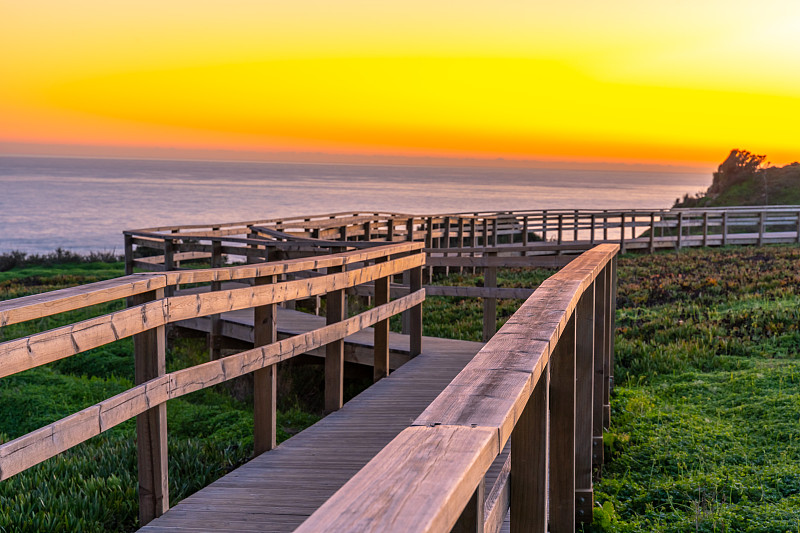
{"x": 151, "y": 309}
{"x": 541, "y": 383}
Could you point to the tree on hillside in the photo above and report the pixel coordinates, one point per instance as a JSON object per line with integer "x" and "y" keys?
{"x": 739, "y": 166}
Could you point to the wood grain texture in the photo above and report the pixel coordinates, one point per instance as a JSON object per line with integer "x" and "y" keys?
{"x": 562, "y": 433}
{"x": 434, "y": 472}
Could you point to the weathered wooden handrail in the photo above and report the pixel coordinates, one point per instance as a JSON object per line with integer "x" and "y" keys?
{"x": 542, "y": 382}
{"x": 151, "y": 310}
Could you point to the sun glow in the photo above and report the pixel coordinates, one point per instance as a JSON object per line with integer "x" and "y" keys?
{"x": 624, "y": 82}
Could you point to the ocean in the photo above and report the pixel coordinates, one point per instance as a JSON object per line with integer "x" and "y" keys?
{"x": 84, "y": 204}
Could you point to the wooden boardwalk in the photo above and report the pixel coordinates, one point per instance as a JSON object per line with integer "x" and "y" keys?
{"x": 279, "y": 489}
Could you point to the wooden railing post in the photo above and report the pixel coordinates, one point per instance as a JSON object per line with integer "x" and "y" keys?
{"x": 622, "y": 233}
{"x": 429, "y": 244}
{"x": 575, "y": 229}
{"x": 495, "y": 233}
{"x": 415, "y": 313}
{"x": 591, "y": 238}
{"x": 169, "y": 261}
{"x": 562, "y": 432}
{"x": 265, "y": 379}
{"x": 334, "y": 351}
{"x": 525, "y": 231}
{"x": 390, "y": 229}
{"x": 560, "y": 229}
{"x": 381, "y": 329}
{"x": 544, "y": 225}
{"x": 151, "y": 426}
{"x": 605, "y": 224}
{"x": 472, "y": 517}
{"x": 215, "y": 334}
{"x": 529, "y": 461}
{"x": 608, "y": 364}
{"x": 129, "y": 254}
{"x": 680, "y": 230}
{"x": 489, "y": 303}
{"x": 652, "y": 232}
{"x": 797, "y": 229}
{"x": 705, "y": 229}
{"x": 761, "y": 228}
{"x": 601, "y": 345}
{"x": 725, "y": 227}
{"x": 584, "y": 393}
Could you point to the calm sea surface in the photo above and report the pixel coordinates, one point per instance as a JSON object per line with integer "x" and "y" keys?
{"x": 84, "y": 204}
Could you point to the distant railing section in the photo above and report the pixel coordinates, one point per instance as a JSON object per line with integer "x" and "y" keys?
{"x": 151, "y": 309}
{"x": 477, "y": 241}
{"x": 541, "y": 385}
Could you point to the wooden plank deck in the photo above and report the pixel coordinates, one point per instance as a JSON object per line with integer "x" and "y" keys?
{"x": 279, "y": 489}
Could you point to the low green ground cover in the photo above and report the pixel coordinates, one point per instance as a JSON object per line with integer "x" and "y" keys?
{"x": 93, "y": 487}
{"x": 705, "y": 416}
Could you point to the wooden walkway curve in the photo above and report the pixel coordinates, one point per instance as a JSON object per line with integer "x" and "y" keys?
{"x": 278, "y": 490}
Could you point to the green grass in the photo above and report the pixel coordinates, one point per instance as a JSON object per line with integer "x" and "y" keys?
{"x": 93, "y": 486}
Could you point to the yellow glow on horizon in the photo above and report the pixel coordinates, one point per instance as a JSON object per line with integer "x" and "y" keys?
{"x": 619, "y": 81}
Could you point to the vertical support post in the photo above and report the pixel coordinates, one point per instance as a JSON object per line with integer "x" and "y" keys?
{"x": 489, "y": 303}
{"x": 761, "y": 228}
{"x": 334, "y": 351}
{"x": 495, "y": 232}
{"x": 605, "y": 224}
{"x": 149, "y": 349}
{"x": 601, "y": 346}
{"x": 343, "y": 233}
{"x": 562, "y": 432}
{"x": 429, "y": 244}
{"x": 608, "y": 362}
{"x": 584, "y": 395}
{"x": 460, "y": 240}
{"x": 560, "y": 229}
{"x": 215, "y": 334}
{"x": 680, "y": 230}
{"x": 473, "y": 238}
{"x": 622, "y": 233}
{"x": 525, "y": 230}
{"x": 446, "y": 242}
{"x": 129, "y": 253}
{"x": 575, "y": 229}
{"x": 529, "y": 461}
{"x": 797, "y": 229}
{"x": 485, "y": 232}
{"x": 265, "y": 384}
{"x": 725, "y": 227}
{"x": 381, "y": 329}
{"x": 705, "y": 229}
{"x": 368, "y": 230}
{"x": 389, "y": 229}
{"x": 415, "y": 313}
{"x": 593, "y": 223}
{"x": 471, "y": 519}
{"x": 652, "y": 232}
{"x": 544, "y": 224}
{"x": 169, "y": 261}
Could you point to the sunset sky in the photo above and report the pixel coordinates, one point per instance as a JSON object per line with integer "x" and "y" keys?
{"x": 620, "y": 80}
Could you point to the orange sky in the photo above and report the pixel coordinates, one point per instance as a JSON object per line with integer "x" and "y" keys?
{"x": 619, "y": 80}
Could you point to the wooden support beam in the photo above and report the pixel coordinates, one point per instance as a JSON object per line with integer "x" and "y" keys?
{"x": 381, "y": 330}
{"x": 489, "y": 304}
{"x": 149, "y": 349}
{"x": 415, "y": 314}
{"x": 334, "y": 351}
{"x": 600, "y": 348}
{"x": 265, "y": 384}
{"x": 215, "y": 335}
{"x": 529, "y": 461}
{"x": 584, "y": 393}
{"x": 472, "y": 517}
{"x": 562, "y": 432}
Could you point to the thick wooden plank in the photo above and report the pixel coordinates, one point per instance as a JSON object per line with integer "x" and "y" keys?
{"x": 50, "y": 303}
{"x": 381, "y": 339}
{"x": 562, "y": 432}
{"x": 435, "y": 471}
{"x": 530, "y": 445}
{"x": 584, "y": 392}
{"x": 42, "y": 348}
{"x": 265, "y": 387}
{"x": 499, "y": 497}
{"x": 336, "y": 311}
{"x": 149, "y": 349}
